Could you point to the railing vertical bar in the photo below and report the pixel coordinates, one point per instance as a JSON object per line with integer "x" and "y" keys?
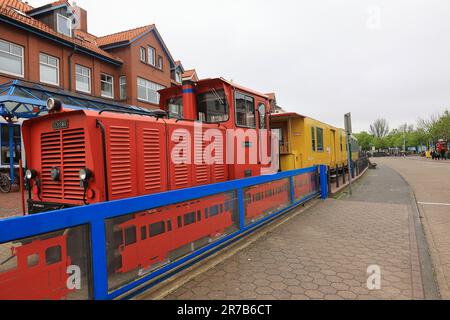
{"x": 291, "y": 182}
{"x": 99, "y": 265}
{"x": 240, "y": 192}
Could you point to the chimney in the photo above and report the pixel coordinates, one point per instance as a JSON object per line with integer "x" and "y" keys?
{"x": 83, "y": 20}
{"x": 82, "y": 14}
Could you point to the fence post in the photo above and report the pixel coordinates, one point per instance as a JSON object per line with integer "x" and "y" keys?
{"x": 99, "y": 264}
{"x": 337, "y": 176}
{"x": 323, "y": 182}
{"x": 240, "y": 196}
{"x": 292, "y": 184}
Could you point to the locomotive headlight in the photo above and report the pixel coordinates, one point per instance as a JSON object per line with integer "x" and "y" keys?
{"x": 55, "y": 174}
{"x": 85, "y": 174}
{"x": 30, "y": 174}
{"x": 54, "y": 105}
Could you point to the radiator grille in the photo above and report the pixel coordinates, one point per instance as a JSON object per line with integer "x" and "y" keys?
{"x": 120, "y": 151}
{"x": 201, "y": 169}
{"x": 152, "y": 158}
{"x": 66, "y": 150}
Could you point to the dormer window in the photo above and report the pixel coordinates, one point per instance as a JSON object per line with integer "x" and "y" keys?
{"x": 178, "y": 76}
{"x": 64, "y": 25}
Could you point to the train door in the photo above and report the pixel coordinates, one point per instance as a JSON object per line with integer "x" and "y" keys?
{"x": 333, "y": 148}
{"x": 246, "y": 137}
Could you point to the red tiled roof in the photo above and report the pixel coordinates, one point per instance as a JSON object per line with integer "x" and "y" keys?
{"x": 124, "y": 36}
{"x": 19, "y": 5}
{"x": 189, "y": 73}
{"x": 5, "y": 10}
{"x": 271, "y": 96}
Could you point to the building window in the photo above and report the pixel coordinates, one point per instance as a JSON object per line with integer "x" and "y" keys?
{"x": 319, "y": 139}
{"x": 148, "y": 91}
{"x": 83, "y": 79}
{"x": 178, "y": 76}
{"x": 151, "y": 56}
{"x": 143, "y": 55}
{"x": 245, "y": 111}
{"x": 64, "y": 25}
{"x": 11, "y": 59}
{"x": 49, "y": 69}
{"x": 5, "y": 153}
{"x": 107, "y": 86}
{"x": 123, "y": 87}
{"x": 313, "y": 138}
{"x": 160, "y": 62}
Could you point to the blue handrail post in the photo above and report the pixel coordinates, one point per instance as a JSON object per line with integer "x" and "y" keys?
{"x": 99, "y": 264}
{"x": 240, "y": 195}
{"x": 292, "y": 184}
{"x": 323, "y": 182}
{"x": 11, "y": 150}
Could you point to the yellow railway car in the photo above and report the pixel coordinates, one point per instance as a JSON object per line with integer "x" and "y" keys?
{"x": 306, "y": 142}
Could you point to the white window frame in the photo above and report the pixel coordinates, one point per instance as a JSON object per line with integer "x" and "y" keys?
{"x": 148, "y": 86}
{"x": 178, "y": 76}
{"x": 89, "y": 77}
{"x": 58, "y": 15}
{"x": 160, "y": 65}
{"x": 50, "y": 66}
{"x": 111, "y": 83}
{"x": 122, "y": 83}
{"x": 143, "y": 54}
{"x": 15, "y": 55}
{"x": 153, "y": 55}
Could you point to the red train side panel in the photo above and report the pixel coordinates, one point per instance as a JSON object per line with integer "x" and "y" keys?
{"x": 41, "y": 272}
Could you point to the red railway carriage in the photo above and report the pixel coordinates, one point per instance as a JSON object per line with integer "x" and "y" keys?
{"x": 82, "y": 157}
{"x": 41, "y": 271}
{"x": 150, "y": 237}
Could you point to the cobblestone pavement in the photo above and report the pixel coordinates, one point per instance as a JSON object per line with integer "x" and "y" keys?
{"x": 10, "y": 204}
{"x": 325, "y": 252}
{"x": 430, "y": 181}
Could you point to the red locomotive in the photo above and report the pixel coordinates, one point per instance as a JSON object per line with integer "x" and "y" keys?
{"x": 83, "y": 157}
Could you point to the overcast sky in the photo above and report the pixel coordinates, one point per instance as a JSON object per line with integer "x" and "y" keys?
{"x": 322, "y": 58}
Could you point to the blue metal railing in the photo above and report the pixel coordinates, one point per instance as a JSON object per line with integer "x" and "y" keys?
{"x": 96, "y": 215}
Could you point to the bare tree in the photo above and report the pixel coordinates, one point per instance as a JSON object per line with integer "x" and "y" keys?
{"x": 380, "y": 128}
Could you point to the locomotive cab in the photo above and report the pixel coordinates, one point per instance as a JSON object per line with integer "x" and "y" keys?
{"x": 241, "y": 111}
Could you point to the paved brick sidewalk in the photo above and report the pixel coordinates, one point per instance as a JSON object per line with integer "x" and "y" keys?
{"x": 10, "y": 204}
{"x": 324, "y": 253}
{"x": 430, "y": 181}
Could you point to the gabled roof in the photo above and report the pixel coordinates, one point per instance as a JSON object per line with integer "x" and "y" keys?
{"x": 126, "y": 38}
{"x": 190, "y": 74}
{"x": 178, "y": 65}
{"x": 47, "y": 7}
{"x": 123, "y": 37}
{"x": 9, "y": 15}
{"x": 18, "y": 5}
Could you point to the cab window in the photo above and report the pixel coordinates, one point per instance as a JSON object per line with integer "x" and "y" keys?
{"x": 212, "y": 106}
{"x": 245, "y": 111}
{"x": 175, "y": 108}
{"x": 262, "y": 116}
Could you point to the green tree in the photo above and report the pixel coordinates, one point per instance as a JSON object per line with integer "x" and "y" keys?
{"x": 441, "y": 129}
{"x": 365, "y": 140}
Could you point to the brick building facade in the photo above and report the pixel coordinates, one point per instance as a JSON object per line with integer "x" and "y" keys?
{"x": 51, "y": 45}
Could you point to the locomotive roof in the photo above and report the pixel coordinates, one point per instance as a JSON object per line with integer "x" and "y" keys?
{"x": 216, "y": 81}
